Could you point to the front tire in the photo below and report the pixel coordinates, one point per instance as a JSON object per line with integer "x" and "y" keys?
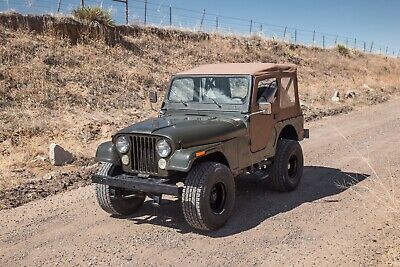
{"x": 115, "y": 200}
{"x": 208, "y": 197}
{"x": 287, "y": 168}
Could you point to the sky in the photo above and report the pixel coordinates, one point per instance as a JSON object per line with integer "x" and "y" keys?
{"x": 350, "y": 22}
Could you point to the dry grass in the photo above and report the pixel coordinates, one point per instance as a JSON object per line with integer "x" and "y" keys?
{"x": 78, "y": 95}
{"x": 379, "y": 193}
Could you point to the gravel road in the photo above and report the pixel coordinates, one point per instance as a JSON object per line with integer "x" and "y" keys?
{"x": 343, "y": 213}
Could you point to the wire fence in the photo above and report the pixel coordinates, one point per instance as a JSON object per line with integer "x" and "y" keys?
{"x": 157, "y": 14}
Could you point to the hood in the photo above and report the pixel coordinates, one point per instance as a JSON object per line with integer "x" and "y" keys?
{"x": 190, "y": 130}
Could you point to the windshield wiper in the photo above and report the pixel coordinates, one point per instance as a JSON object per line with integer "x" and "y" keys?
{"x": 180, "y": 99}
{"x": 213, "y": 100}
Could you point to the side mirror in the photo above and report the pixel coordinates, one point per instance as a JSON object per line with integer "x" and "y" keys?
{"x": 265, "y": 107}
{"x": 153, "y": 96}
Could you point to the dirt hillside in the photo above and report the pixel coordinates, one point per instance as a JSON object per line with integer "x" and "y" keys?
{"x": 67, "y": 83}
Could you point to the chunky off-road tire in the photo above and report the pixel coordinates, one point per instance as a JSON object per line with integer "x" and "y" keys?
{"x": 287, "y": 168}
{"x": 114, "y": 200}
{"x": 208, "y": 196}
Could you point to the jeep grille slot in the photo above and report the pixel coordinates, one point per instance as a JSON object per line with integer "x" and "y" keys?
{"x": 144, "y": 159}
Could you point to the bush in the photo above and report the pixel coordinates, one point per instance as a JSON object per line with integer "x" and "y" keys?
{"x": 344, "y": 51}
{"x": 93, "y": 15}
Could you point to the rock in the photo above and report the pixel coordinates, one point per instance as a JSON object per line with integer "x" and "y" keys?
{"x": 336, "y": 96}
{"x": 350, "y": 94}
{"x": 59, "y": 156}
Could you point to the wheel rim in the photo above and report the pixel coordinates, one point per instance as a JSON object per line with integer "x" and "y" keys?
{"x": 292, "y": 167}
{"x": 218, "y": 198}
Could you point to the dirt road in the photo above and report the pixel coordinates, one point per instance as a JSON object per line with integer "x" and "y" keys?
{"x": 320, "y": 223}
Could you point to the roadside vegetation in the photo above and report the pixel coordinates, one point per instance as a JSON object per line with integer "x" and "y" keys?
{"x": 343, "y": 50}
{"x": 93, "y": 15}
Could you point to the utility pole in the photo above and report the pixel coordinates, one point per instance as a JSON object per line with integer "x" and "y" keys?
{"x": 58, "y": 6}
{"x": 216, "y": 23}
{"x": 336, "y": 39}
{"x": 370, "y": 49}
{"x": 82, "y": 3}
{"x": 295, "y": 36}
{"x": 284, "y": 33}
{"x": 251, "y": 25}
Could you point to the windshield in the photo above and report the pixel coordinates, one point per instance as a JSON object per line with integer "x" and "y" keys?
{"x": 209, "y": 90}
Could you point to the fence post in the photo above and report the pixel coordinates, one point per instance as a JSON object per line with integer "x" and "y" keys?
{"x": 313, "y": 38}
{"x": 82, "y": 3}
{"x": 372, "y": 45}
{"x": 126, "y": 12}
{"x": 170, "y": 16}
{"x": 58, "y": 6}
{"x": 202, "y": 19}
{"x": 216, "y": 23}
{"x": 145, "y": 12}
{"x": 284, "y": 33}
{"x": 251, "y": 25}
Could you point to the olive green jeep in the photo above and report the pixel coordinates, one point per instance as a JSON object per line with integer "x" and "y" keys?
{"x": 216, "y": 122}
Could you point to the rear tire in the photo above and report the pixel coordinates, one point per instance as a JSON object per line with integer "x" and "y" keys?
{"x": 115, "y": 200}
{"x": 208, "y": 197}
{"x": 287, "y": 169}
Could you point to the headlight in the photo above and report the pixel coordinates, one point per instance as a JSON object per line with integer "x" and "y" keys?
{"x": 163, "y": 148}
{"x": 122, "y": 144}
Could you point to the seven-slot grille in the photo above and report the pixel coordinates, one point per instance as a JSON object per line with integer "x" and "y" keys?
{"x": 144, "y": 158}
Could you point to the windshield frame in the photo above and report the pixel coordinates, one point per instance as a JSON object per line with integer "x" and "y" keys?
{"x": 243, "y": 107}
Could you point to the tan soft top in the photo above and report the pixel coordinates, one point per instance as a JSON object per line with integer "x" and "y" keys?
{"x": 239, "y": 68}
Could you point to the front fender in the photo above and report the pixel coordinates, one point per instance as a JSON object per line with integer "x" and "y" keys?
{"x": 106, "y": 152}
{"x": 182, "y": 159}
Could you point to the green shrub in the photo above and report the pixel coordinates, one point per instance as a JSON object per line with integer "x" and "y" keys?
{"x": 344, "y": 51}
{"x": 93, "y": 15}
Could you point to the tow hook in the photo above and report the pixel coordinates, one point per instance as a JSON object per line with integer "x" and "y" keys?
{"x": 157, "y": 198}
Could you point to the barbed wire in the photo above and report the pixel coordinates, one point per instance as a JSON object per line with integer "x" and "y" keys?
{"x": 161, "y": 15}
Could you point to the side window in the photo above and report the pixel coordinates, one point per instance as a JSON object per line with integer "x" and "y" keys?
{"x": 287, "y": 96}
{"x": 266, "y": 90}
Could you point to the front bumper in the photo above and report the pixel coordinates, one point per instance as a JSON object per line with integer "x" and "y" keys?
{"x": 147, "y": 185}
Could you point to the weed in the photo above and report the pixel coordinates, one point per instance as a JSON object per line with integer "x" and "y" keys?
{"x": 93, "y": 15}
{"x": 343, "y": 50}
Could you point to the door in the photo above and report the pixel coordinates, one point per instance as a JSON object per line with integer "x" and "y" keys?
{"x": 261, "y": 126}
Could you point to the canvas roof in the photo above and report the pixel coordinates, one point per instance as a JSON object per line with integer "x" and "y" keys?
{"x": 239, "y": 68}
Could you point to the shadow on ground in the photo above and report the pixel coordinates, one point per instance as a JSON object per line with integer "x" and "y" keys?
{"x": 254, "y": 202}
